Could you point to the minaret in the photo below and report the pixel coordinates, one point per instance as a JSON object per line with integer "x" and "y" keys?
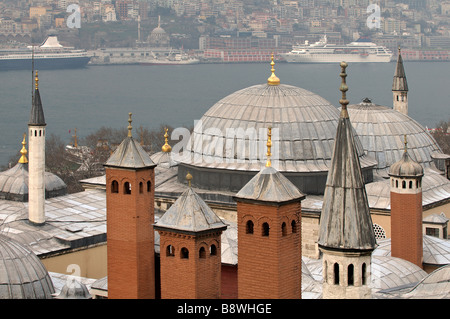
{"x": 130, "y": 191}
{"x": 190, "y": 249}
{"x": 406, "y": 209}
{"x": 346, "y": 236}
{"x": 269, "y": 235}
{"x": 400, "y": 87}
{"x": 36, "y": 165}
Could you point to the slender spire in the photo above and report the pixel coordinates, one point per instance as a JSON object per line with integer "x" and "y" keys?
{"x": 273, "y": 79}
{"x": 344, "y": 88}
{"x": 23, "y": 159}
{"x": 129, "y": 125}
{"x": 269, "y": 147}
{"x": 37, "y": 113}
{"x": 166, "y": 148}
{"x": 399, "y": 83}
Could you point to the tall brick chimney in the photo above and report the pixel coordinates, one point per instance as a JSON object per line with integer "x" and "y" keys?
{"x": 406, "y": 209}
{"x": 130, "y": 182}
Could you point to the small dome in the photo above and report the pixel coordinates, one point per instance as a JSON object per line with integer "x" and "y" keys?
{"x": 406, "y": 167}
{"x": 73, "y": 289}
{"x": 14, "y": 184}
{"x": 22, "y": 274}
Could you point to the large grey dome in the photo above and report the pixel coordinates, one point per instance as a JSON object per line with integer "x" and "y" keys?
{"x": 22, "y": 274}
{"x": 381, "y": 131}
{"x": 232, "y": 135}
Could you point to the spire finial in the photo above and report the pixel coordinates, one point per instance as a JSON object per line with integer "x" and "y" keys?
{"x": 36, "y": 80}
{"x": 23, "y": 159}
{"x": 166, "y": 148}
{"x": 406, "y": 144}
{"x": 269, "y": 147}
{"x": 189, "y": 178}
{"x": 129, "y": 125}
{"x": 273, "y": 79}
{"x": 344, "y": 88}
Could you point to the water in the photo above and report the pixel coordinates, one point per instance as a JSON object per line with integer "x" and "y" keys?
{"x": 97, "y": 96}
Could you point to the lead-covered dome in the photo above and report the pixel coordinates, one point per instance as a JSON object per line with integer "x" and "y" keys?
{"x": 228, "y": 144}
{"x": 381, "y": 131}
{"x": 22, "y": 274}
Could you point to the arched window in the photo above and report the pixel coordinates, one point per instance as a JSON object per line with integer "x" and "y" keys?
{"x": 363, "y": 274}
{"x": 350, "y": 273}
{"x": 336, "y": 273}
{"x": 184, "y": 254}
{"x": 403, "y": 184}
{"x": 265, "y": 229}
{"x": 35, "y": 133}
{"x": 170, "y": 251}
{"x": 202, "y": 252}
{"x": 141, "y": 187}
{"x": 249, "y": 227}
{"x": 294, "y": 226}
{"x": 213, "y": 250}
{"x": 114, "y": 187}
{"x": 283, "y": 229}
{"x": 410, "y": 184}
{"x": 127, "y": 188}
{"x": 149, "y": 186}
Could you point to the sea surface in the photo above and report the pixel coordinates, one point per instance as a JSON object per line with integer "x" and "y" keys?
{"x": 96, "y": 96}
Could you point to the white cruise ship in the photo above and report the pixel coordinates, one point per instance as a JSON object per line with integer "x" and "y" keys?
{"x": 323, "y": 52}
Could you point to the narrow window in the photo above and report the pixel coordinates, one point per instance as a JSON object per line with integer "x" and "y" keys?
{"x": 114, "y": 187}
{"x": 249, "y": 227}
{"x": 265, "y": 229}
{"x": 202, "y": 252}
{"x": 417, "y": 184}
{"x": 283, "y": 229}
{"x": 396, "y": 184}
{"x": 213, "y": 250}
{"x": 403, "y": 184}
{"x": 39, "y": 132}
{"x": 410, "y": 184}
{"x": 141, "y": 187}
{"x": 127, "y": 188}
{"x": 363, "y": 274}
{"x": 149, "y": 186}
{"x": 350, "y": 271}
{"x": 336, "y": 274}
{"x": 184, "y": 253}
{"x": 170, "y": 252}
{"x": 294, "y": 226}
{"x": 35, "y": 133}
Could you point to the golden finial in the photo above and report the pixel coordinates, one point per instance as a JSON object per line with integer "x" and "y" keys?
{"x": 36, "y": 81}
{"x": 269, "y": 146}
{"x": 129, "y": 125}
{"x": 344, "y": 88}
{"x": 273, "y": 79}
{"x": 166, "y": 148}
{"x": 189, "y": 178}
{"x": 23, "y": 159}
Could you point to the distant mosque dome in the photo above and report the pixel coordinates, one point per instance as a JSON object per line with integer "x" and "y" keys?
{"x": 158, "y": 37}
{"x": 381, "y": 131}
{"x": 228, "y": 144}
{"x": 22, "y": 276}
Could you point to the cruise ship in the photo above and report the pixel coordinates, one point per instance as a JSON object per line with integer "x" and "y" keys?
{"x": 49, "y": 55}
{"x": 323, "y": 52}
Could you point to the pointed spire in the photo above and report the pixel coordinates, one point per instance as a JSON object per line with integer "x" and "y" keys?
{"x": 399, "y": 83}
{"x": 345, "y": 221}
{"x": 166, "y": 148}
{"x": 37, "y": 113}
{"x": 273, "y": 79}
{"x": 269, "y": 146}
{"x": 23, "y": 159}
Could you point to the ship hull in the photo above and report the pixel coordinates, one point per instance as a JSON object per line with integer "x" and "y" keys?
{"x": 335, "y": 58}
{"x": 44, "y": 64}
